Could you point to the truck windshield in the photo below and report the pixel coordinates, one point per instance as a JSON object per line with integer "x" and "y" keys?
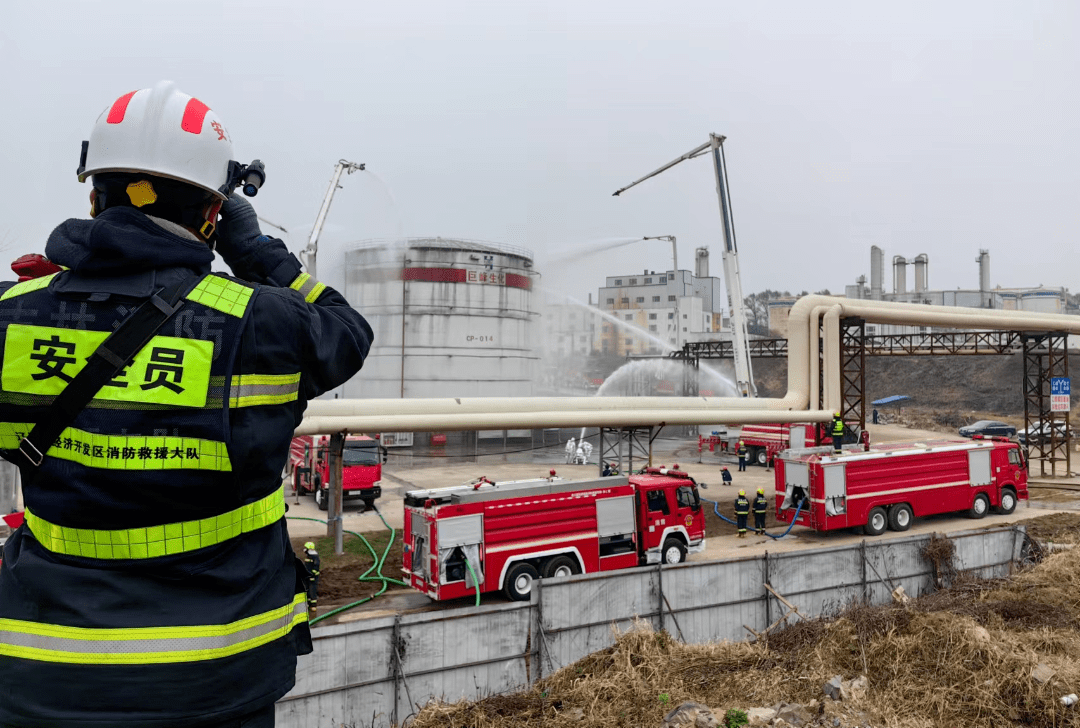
{"x": 687, "y": 497}
{"x": 360, "y": 454}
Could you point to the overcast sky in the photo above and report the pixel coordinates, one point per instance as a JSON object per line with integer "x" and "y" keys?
{"x": 922, "y": 127}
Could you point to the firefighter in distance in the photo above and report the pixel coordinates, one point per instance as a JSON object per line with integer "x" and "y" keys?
{"x": 761, "y": 507}
{"x": 725, "y": 476}
{"x": 837, "y": 433}
{"x": 742, "y": 510}
{"x": 742, "y": 452}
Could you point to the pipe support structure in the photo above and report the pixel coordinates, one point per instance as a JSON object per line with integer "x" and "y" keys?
{"x": 496, "y": 413}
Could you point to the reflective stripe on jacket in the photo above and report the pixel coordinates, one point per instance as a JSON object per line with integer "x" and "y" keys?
{"x": 761, "y": 504}
{"x": 742, "y": 506}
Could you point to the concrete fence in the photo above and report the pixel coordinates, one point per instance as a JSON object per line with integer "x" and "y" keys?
{"x": 377, "y": 672}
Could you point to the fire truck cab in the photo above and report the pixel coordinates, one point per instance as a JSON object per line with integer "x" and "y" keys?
{"x": 487, "y": 536}
{"x": 361, "y": 471}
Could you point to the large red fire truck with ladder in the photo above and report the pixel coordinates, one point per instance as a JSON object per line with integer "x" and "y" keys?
{"x": 885, "y": 486}
{"x": 361, "y": 471}
{"x": 506, "y": 535}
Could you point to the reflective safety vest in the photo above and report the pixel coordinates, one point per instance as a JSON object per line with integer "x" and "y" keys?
{"x": 838, "y": 427}
{"x": 741, "y": 451}
{"x": 742, "y": 506}
{"x": 170, "y": 579}
{"x": 761, "y": 504}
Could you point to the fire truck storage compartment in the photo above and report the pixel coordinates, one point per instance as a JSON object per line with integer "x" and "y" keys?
{"x": 615, "y": 525}
{"x": 835, "y": 489}
{"x": 796, "y": 484}
{"x": 459, "y": 538}
{"x": 979, "y": 467}
{"x": 419, "y": 558}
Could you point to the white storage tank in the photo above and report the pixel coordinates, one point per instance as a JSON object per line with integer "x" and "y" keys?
{"x": 452, "y": 318}
{"x": 1042, "y": 301}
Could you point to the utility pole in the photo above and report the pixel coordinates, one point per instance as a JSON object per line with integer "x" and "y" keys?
{"x": 740, "y": 337}
{"x": 309, "y": 253}
{"x": 335, "y": 508}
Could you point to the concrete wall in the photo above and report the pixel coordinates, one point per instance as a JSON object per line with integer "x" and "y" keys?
{"x": 357, "y": 677}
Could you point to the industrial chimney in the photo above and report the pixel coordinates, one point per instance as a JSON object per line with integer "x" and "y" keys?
{"x": 899, "y": 266}
{"x": 984, "y": 278}
{"x": 877, "y": 271}
{"x": 701, "y": 262}
{"x": 922, "y": 262}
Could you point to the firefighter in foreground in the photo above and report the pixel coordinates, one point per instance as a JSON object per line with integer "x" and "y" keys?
{"x": 153, "y": 583}
{"x": 312, "y": 564}
{"x": 837, "y": 432}
{"x": 742, "y": 510}
{"x": 761, "y": 507}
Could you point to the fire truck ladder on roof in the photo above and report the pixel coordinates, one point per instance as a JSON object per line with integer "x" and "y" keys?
{"x": 635, "y": 441}
{"x": 1046, "y": 355}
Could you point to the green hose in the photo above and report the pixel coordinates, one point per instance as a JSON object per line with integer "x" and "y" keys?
{"x": 377, "y": 567}
{"x": 475, "y": 581}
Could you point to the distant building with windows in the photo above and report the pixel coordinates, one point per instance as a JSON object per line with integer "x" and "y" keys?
{"x": 570, "y": 329}
{"x": 656, "y": 312}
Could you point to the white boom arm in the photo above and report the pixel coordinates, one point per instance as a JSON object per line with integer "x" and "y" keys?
{"x": 744, "y": 374}
{"x": 740, "y": 337}
{"x": 312, "y": 249}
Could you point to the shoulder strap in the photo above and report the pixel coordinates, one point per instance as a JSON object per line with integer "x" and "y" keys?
{"x": 115, "y": 353}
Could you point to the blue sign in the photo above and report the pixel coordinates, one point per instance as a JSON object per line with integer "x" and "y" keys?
{"x": 1060, "y": 386}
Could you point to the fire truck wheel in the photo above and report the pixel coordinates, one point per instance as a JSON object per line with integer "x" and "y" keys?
{"x": 519, "y": 581}
{"x": 876, "y": 522}
{"x": 900, "y": 517}
{"x": 980, "y": 506}
{"x": 321, "y": 500}
{"x": 1008, "y": 502}
{"x": 560, "y": 566}
{"x": 762, "y": 457}
{"x": 674, "y": 552}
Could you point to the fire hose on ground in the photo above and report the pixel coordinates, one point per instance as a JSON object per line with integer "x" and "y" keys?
{"x": 377, "y": 567}
{"x": 721, "y": 516}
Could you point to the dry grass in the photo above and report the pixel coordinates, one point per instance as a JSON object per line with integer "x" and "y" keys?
{"x": 959, "y": 657}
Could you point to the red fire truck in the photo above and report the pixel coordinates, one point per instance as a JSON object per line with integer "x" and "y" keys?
{"x": 887, "y": 485}
{"x": 764, "y": 442}
{"x": 509, "y": 534}
{"x": 361, "y": 472}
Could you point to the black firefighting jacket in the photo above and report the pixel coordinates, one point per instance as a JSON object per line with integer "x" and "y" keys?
{"x": 153, "y": 583}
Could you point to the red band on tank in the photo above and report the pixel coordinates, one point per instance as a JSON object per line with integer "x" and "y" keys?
{"x": 119, "y": 108}
{"x": 459, "y": 275}
{"x": 194, "y": 113}
{"x": 517, "y": 281}
{"x": 434, "y": 275}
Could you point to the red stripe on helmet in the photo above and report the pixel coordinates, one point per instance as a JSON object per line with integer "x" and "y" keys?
{"x": 119, "y": 108}
{"x": 194, "y": 113}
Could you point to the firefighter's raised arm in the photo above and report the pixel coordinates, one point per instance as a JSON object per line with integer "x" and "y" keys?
{"x": 319, "y": 327}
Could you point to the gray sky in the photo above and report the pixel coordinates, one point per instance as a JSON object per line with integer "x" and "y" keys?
{"x": 923, "y": 127}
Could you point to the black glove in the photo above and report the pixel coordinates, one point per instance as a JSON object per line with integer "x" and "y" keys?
{"x": 238, "y": 230}
{"x": 250, "y": 254}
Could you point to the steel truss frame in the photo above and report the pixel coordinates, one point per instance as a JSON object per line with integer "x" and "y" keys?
{"x": 638, "y": 443}
{"x": 1046, "y": 355}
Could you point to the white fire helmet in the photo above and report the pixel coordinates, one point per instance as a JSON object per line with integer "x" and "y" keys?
{"x": 161, "y": 131}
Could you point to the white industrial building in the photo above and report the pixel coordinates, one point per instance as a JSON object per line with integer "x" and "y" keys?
{"x": 653, "y": 312}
